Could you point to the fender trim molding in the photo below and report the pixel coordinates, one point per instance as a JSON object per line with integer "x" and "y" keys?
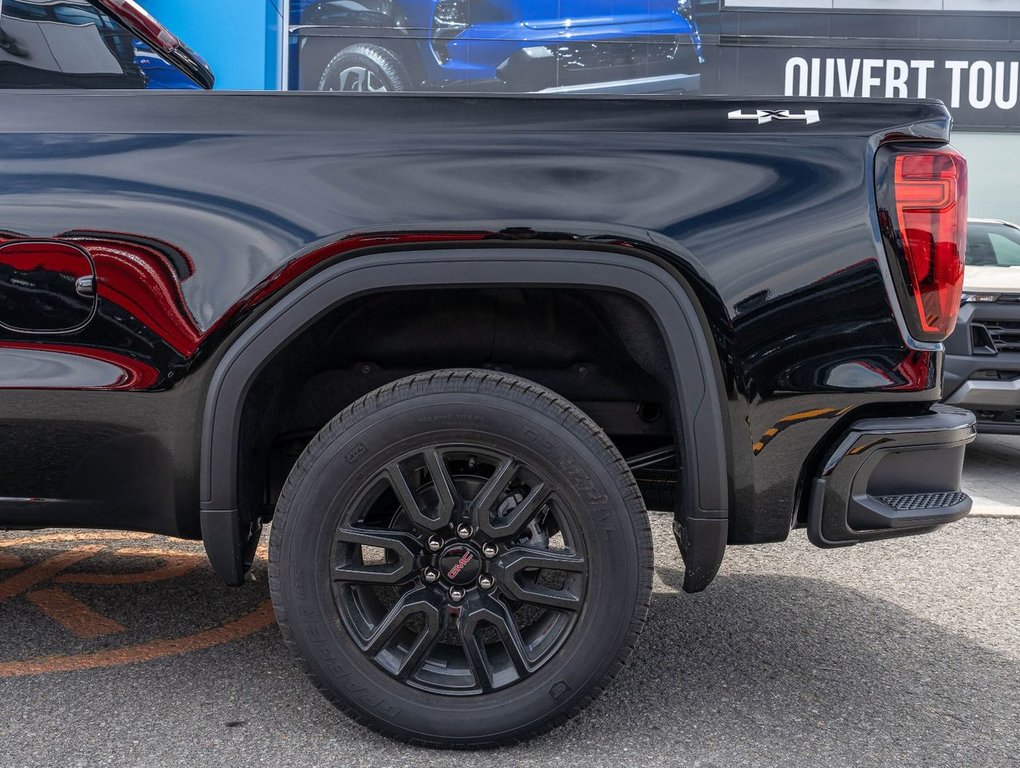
{"x": 664, "y": 295}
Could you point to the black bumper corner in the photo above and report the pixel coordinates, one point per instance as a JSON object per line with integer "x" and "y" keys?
{"x": 892, "y": 477}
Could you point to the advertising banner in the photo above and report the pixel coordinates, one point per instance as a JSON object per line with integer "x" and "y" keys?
{"x": 964, "y": 52}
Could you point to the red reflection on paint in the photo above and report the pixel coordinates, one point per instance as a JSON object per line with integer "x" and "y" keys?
{"x": 45, "y": 256}
{"x": 917, "y": 369}
{"x": 143, "y": 276}
{"x": 290, "y": 272}
{"x": 132, "y": 374}
{"x": 294, "y": 269}
{"x": 138, "y": 278}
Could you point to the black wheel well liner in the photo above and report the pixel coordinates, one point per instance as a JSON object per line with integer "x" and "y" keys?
{"x": 664, "y": 294}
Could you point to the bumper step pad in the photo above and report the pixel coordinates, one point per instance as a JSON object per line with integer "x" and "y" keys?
{"x": 892, "y": 477}
{"x": 918, "y": 501}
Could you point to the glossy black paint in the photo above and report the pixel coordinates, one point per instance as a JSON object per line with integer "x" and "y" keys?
{"x": 92, "y": 44}
{"x": 205, "y": 208}
{"x": 69, "y": 44}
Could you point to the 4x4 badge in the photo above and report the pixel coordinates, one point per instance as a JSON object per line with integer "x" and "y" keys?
{"x": 763, "y": 116}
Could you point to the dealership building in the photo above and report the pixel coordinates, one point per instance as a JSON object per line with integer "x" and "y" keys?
{"x": 964, "y": 52}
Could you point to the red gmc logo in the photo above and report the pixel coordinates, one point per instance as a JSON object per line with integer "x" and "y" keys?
{"x": 466, "y": 558}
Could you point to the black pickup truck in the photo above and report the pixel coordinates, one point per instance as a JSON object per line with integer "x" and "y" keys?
{"x": 450, "y": 346}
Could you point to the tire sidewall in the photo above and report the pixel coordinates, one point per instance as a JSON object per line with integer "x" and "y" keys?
{"x": 385, "y": 64}
{"x": 339, "y": 469}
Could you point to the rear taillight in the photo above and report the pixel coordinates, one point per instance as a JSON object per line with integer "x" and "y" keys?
{"x": 926, "y": 229}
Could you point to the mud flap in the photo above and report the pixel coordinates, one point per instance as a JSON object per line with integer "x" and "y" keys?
{"x": 702, "y": 543}
{"x": 230, "y": 549}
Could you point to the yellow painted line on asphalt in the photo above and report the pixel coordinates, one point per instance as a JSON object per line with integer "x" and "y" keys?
{"x": 73, "y": 615}
{"x": 44, "y": 571}
{"x": 49, "y": 538}
{"x": 36, "y": 582}
{"x": 261, "y": 618}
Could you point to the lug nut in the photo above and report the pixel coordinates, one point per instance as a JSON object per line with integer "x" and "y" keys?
{"x": 434, "y": 544}
{"x": 457, "y": 594}
{"x": 490, "y": 550}
{"x": 431, "y": 575}
{"x": 464, "y": 531}
{"x": 485, "y": 581}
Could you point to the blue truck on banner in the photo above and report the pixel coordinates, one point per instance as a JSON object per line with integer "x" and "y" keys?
{"x": 620, "y": 46}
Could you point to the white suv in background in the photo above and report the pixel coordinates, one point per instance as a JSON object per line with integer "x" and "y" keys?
{"x": 983, "y": 354}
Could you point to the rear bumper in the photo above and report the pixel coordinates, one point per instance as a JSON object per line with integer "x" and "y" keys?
{"x": 892, "y": 477}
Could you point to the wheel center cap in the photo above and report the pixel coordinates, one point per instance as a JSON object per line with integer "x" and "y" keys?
{"x": 460, "y": 564}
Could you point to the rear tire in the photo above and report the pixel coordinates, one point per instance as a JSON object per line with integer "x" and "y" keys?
{"x": 365, "y": 68}
{"x": 445, "y": 635}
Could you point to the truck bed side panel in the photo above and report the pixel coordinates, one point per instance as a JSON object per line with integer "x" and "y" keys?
{"x": 197, "y": 205}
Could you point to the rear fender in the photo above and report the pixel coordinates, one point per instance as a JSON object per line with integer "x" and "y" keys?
{"x": 702, "y": 513}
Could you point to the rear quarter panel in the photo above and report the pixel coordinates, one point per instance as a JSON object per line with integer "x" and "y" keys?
{"x": 198, "y": 207}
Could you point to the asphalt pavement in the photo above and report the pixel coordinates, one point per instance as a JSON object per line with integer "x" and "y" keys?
{"x": 992, "y": 474}
{"x": 123, "y": 650}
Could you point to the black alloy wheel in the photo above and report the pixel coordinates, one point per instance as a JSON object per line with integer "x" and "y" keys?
{"x": 461, "y": 558}
{"x": 459, "y": 570}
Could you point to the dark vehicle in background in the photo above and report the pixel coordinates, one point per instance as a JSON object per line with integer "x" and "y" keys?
{"x": 606, "y": 46}
{"x": 983, "y": 354}
{"x": 73, "y": 44}
{"x": 451, "y": 346}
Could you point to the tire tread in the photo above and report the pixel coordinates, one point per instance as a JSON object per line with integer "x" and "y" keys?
{"x": 526, "y": 393}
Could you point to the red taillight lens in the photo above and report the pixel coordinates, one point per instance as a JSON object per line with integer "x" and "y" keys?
{"x": 930, "y": 190}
